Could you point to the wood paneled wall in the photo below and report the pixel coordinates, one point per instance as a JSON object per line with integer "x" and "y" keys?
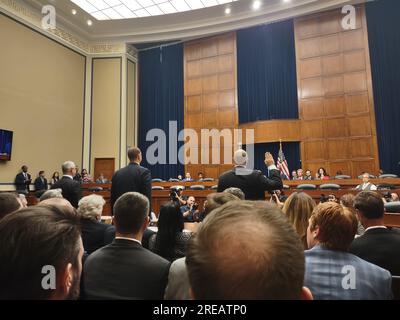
{"x": 338, "y": 128}
{"x": 210, "y": 95}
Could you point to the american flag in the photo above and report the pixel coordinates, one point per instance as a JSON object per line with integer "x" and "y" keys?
{"x": 282, "y": 164}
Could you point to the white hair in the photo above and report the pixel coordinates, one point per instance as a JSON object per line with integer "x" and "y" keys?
{"x": 52, "y": 193}
{"x": 91, "y": 206}
{"x": 68, "y": 166}
{"x": 240, "y": 157}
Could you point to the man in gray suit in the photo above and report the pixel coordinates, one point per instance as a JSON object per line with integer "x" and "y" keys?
{"x": 331, "y": 272}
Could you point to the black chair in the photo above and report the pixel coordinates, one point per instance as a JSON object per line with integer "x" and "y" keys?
{"x": 214, "y": 187}
{"x": 156, "y": 180}
{"x": 177, "y": 187}
{"x": 173, "y": 180}
{"x": 157, "y": 188}
{"x": 371, "y": 176}
{"x": 208, "y": 179}
{"x": 197, "y": 187}
{"x": 329, "y": 186}
{"x": 95, "y": 189}
{"x": 342, "y": 176}
{"x": 385, "y": 186}
{"x": 388, "y": 175}
{"x": 396, "y": 287}
{"x": 392, "y": 207}
{"x": 306, "y": 186}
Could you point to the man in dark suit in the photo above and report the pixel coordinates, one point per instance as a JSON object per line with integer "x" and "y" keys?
{"x": 252, "y": 182}
{"x": 133, "y": 177}
{"x": 378, "y": 245}
{"x": 23, "y": 180}
{"x": 71, "y": 189}
{"x": 124, "y": 269}
{"x": 40, "y": 182}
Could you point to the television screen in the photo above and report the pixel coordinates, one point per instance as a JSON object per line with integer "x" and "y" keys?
{"x": 6, "y": 138}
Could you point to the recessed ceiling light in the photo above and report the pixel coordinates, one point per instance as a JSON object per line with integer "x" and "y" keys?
{"x": 74, "y": 12}
{"x": 228, "y": 10}
{"x": 256, "y": 5}
{"x": 89, "y": 23}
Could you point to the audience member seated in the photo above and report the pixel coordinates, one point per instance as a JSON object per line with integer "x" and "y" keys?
{"x": 86, "y": 178}
{"x": 246, "y": 250}
{"x": 321, "y": 174}
{"x": 187, "y": 177}
{"x": 49, "y": 246}
{"x": 170, "y": 240}
{"x": 178, "y": 281}
{"x": 347, "y": 201}
{"x": 55, "y": 177}
{"x": 331, "y": 272}
{"x": 366, "y": 185}
{"x": 236, "y": 192}
{"x": 9, "y": 202}
{"x": 52, "y": 193}
{"x": 294, "y": 175}
{"x": 71, "y": 189}
{"x": 57, "y": 202}
{"x": 379, "y": 245}
{"x": 40, "y": 182}
{"x": 95, "y": 234}
{"x": 298, "y": 208}
{"x": 200, "y": 176}
{"x": 278, "y": 196}
{"x": 22, "y": 199}
{"x": 190, "y": 211}
{"x": 124, "y": 269}
{"x": 101, "y": 179}
{"x": 308, "y": 175}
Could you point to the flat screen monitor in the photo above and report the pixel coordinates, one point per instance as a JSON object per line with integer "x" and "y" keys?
{"x": 6, "y": 138}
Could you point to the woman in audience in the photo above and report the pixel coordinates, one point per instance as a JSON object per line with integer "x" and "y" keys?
{"x": 170, "y": 240}
{"x": 55, "y": 177}
{"x": 321, "y": 174}
{"x": 298, "y": 208}
{"x": 95, "y": 234}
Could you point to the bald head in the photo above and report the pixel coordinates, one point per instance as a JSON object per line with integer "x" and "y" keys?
{"x": 246, "y": 250}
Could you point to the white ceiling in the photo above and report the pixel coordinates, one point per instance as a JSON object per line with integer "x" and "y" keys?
{"x": 127, "y": 9}
{"x": 182, "y": 25}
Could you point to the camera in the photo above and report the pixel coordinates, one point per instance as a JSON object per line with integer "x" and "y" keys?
{"x": 387, "y": 195}
{"x": 195, "y": 206}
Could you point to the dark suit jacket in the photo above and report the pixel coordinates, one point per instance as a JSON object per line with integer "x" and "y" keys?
{"x": 380, "y": 247}
{"x": 253, "y": 185}
{"x": 125, "y": 270}
{"x": 131, "y": 178}
{"x": 71, "y": 190}
{"x": 39, "y": 185}
{"x": 96, "y": 234}
{"x": 20, "y": 183}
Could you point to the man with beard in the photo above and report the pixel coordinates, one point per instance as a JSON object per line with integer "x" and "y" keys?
{"x": 41, "y": 254}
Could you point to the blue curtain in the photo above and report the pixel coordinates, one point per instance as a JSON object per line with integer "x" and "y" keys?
{"x": 383, "y": 18}
{"x": 290, "y": 149}
{"x": 266, "y": 66}
{"x": 161, "y": 101}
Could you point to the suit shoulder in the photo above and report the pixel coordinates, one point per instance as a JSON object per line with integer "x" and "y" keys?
{"x": 155, "y": 259}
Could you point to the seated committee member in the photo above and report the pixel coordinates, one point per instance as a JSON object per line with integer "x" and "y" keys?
{"x": 133, "y": 177}
{"x": 321, "y": 174}
{"x": 9, "y": 202}
{"x": 40, "y": 182}
{"x": 300, "y": 174}
{"x": 170, "y": 240}
{"x": 308, "y": 175}
{"x": 124, "y": 269}
{"x": 101, "y": 179}
{"x": 378, "y": 245}
{"x": 366, "y": 185}
{"x": 190, "y": 210}
{"x": 200, "y": 176}
{"x": 246, "y": 250}
{"x": 23, "y": 180}
{"x": 42, "y": 236}
{"x": 95, "y": 234}
{"x": 188, "y": 177}
{"x": 252, "y": 182}
{"x": 71, "y": 189}
{"x": 332, "y": 273}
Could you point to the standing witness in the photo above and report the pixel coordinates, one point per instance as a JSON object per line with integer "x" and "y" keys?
{"x": 133, "y": 177}
{"x": 71, "y": 189}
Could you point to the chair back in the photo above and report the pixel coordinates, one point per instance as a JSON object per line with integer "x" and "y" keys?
{"x": 306, "y": 186}
{"x": 197, "y": 187}
{"x": 329, "y": 186}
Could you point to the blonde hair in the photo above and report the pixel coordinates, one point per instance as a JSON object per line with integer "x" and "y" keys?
{"x": 298, "y": 208}
{"x": 91, "y": 206}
